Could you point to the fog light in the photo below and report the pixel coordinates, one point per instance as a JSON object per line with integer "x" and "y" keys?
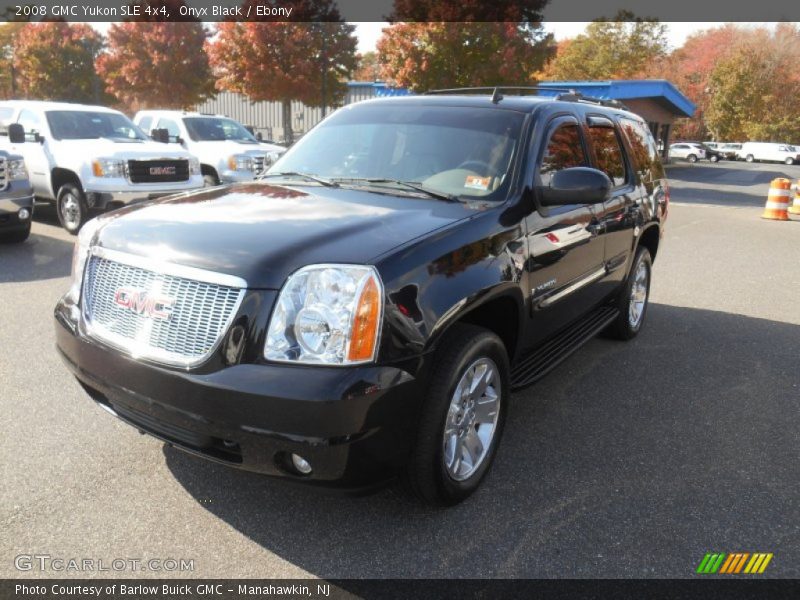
{"x": 301, "y": 464}
{"x": 24, "y": 213}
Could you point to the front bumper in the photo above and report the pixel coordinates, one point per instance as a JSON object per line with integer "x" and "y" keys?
{"x": 13, "y": 199}
{"x": 353, "y": 425}
{"x": 106, "y": 199}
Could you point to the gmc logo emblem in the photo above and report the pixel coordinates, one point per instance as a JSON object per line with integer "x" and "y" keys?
{"x": 142, "y": 303}
{"x": 162, "y": 170}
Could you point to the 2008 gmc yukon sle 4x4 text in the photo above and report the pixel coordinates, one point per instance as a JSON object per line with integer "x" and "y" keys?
{"x": 364, "y": 309}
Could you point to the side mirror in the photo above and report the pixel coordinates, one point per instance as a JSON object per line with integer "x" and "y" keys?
{"x": 578, "y": 185}
{"x": 160, "y": 135}
{"x": 38, "y": 137}
{"x": 16, "y": 133}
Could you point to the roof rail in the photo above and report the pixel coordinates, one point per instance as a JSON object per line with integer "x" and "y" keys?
{"x": 564, "y": 94}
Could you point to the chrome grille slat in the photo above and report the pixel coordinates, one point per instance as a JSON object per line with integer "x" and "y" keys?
{"x": 200, "y": 315}
{"x": 3, "y": 174}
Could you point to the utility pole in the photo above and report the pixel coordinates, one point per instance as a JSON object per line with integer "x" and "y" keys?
{"x": 324, "y": 67}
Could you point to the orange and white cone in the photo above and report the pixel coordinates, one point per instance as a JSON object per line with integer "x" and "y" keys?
{"x": 795, "y": 207}
{"x": 777, "y": 206}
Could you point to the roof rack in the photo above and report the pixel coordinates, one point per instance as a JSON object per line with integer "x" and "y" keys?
{"x": 564, "y": 94}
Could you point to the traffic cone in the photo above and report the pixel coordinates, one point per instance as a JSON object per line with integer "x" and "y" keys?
{"x": 795, "y": 207}
{"x": 777, "y": 206}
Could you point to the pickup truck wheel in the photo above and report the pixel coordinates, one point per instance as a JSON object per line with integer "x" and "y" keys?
{"x": 72, "y": 209}
{"x": 632, "y": 300}
{"x": 462, "y": 418}
{"x": 210, "y": 180}
{"x": 16, "y": 237}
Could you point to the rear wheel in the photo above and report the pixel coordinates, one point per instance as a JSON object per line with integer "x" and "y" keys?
{"x": 462, "y": 418}
{"x": 692, "y": 158}
{"x": 72, "y": 209}
{"x": 750, "y": 158}
{"x": 789, "y": 161}
{"x": 633, "y": 298}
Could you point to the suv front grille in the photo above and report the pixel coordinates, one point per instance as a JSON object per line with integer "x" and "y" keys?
{"x": 158, "y": 171}
{"x": 167, "y": 318}
{"x": 3, "y": 174}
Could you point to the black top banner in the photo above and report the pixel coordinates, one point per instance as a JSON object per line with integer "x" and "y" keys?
{"x": 711, "y": 11}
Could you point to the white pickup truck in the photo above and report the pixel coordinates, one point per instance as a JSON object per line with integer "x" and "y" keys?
{"x": 228, "y": 152}
{"x": 87, "y": 158}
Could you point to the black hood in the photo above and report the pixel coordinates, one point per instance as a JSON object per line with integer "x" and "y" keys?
{"x": 262, "y": 233}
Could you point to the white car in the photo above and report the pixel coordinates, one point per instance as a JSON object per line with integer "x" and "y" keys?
{"x": 90, "y": 157}
{"x": 228, "y": 152}
{"x": 687, "y": 150}
{"x": 769, "y": 152}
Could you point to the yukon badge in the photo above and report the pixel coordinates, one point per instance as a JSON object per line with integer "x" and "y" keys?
{"x": 142, "y": 303}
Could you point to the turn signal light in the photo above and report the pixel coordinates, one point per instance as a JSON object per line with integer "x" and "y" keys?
{"x": 365, "y": 323}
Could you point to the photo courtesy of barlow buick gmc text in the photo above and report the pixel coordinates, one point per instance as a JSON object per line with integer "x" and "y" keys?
{"x": 401, "y": 299}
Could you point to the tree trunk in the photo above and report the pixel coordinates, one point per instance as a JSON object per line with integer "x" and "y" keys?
{"x": 288, "y": 135}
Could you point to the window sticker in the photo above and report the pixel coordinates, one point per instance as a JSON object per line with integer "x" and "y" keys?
{"x": 476, "y": 182}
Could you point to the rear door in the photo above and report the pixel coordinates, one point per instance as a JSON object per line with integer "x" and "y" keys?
{"x": 619, "y": 212}
{"x": 565, "y": 253}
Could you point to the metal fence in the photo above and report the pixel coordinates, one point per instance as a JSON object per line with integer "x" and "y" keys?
{"x": 267, "y": 117}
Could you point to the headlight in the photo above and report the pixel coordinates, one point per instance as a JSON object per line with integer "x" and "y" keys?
{"x": 79, "y": 256}
{"x": 16, "y": 170}
{"x": 241, "y": 162}
{"x": 194, "y": 166}
{"x": 327, "y": 314}
{"x": 108, "y": 167}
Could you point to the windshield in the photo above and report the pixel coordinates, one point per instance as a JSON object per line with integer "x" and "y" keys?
{"x": 88, "y": 125}
{"x": 217, "y": 129}
{"x": 455, "y": 151}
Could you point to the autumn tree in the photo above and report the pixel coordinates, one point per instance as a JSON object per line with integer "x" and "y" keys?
{"x": 754, "y": 90}
{"x": 368, "y": 69}
{"x": 9, "y": 30}
{"x": 157, "y": 64}
{"x": 308, "y": 61}
{"x": 55, "y": 61}
{"x": 623, "y": 48}
{"x": 424, "y": 56}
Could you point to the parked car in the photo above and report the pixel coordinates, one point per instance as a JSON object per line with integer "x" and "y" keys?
{"x": 769, "y": 152}
{"x": 16, "y": 194}
{"x": 228, "y": 152}
{"x": 691, "y": 151}
{"x": 89, "y": 158}
{"x": 730, "y": 151}
{"x": 364, "y": 310}
{"x": 712, "y": 154}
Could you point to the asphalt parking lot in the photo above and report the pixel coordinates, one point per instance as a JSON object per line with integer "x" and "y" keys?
{"x": 629, "y": 460}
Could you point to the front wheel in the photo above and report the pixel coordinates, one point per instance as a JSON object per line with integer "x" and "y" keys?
{"x": 72, "y": 209}
{"x": 633, "y": 299}
{"x": 462, "y": 417}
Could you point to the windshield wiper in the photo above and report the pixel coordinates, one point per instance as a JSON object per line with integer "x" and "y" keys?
{"x": 411, "y": 185}
{"x": 314, "y": 178}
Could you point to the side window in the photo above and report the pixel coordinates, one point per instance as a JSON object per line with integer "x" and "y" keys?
{"x": 30, "y": 123}
{"x": 171, "y": 126}
{"x": 643, "y": 148}
{"x": 564, "y": 150}
{"x": 145, "y": 124}
{"x": 609, "y": 153}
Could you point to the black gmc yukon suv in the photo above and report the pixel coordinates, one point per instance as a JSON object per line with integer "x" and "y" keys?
{"x": 365, "y": 309}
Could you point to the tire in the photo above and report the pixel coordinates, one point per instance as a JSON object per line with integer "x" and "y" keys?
{"x": 749, "y": 158}
{"x": 71, "y": 207}
{"x": 692, "y": 158}
{"x": 210, "y": 180}
{"x": 625, "y": 326}
{"x": 16, "y": 237}
{"x": 438, "y": 472}
{"x": 789, "y": 161}
{"x": 714, "y": 159}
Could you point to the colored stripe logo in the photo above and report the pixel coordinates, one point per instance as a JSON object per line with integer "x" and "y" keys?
{"x": 735, "y": 563}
